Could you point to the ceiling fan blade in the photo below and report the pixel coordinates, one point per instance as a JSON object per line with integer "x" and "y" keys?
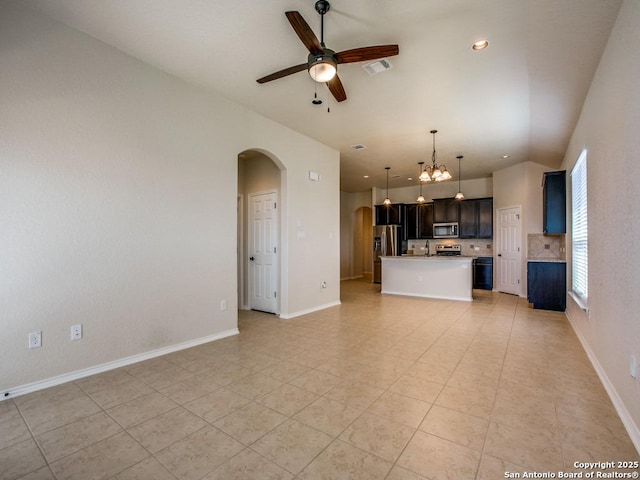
{"x": 336, "y": 89}
{"x": 283, "y": 73}
{"x": 367, "y": 53}
{"x": 304, "y": 32}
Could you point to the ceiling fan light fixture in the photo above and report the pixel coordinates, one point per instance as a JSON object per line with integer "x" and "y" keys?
{"x": 322, "y": 68}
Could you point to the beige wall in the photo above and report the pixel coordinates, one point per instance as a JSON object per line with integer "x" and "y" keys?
{"x": 608, "y": 129}
{"x": 118, "y": 208}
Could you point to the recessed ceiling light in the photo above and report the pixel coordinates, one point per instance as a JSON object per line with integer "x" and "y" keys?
{"x": 366, "y": 176}
{"x": 358, "y": 146}
{"x": 506, "y": 156}
{"x": 480, "y": 45}
{"x": 409, "y": 178}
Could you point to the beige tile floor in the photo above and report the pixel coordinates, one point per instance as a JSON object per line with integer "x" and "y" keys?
{"x": 380, "y": 387}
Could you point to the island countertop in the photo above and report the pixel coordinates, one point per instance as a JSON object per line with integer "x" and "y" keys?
{"x": 445, "y": 277}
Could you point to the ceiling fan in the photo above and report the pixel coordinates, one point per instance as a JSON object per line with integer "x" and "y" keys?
{"x": 322, "y": 63}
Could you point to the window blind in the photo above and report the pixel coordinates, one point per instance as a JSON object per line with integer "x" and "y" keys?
{"x": 579, "y": 230}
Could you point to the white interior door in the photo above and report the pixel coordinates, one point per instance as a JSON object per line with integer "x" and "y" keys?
{"x": 263, "y": 252}
{"x": 509, "y": 250}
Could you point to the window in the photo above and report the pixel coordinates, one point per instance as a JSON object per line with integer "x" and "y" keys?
{"x": 579, "y": 240}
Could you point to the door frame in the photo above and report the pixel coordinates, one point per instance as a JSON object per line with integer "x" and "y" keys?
{"x": 240, "y": 252}
{"x": 519, "y": 245}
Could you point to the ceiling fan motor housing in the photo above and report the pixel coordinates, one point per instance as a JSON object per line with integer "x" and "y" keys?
{"x": 322, "y": 6}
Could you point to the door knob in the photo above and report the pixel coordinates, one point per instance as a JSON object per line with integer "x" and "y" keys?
{"x": 251, "y": 258}
{"x": 499, "y": 254}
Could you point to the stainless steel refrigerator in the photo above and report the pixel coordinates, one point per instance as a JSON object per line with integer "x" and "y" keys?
{"x": 386, "y": 242}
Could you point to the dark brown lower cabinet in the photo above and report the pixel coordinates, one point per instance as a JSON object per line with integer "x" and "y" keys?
{"x": 547, "y": 285}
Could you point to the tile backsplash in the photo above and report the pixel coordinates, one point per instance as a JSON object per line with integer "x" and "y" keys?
{"x": 477, "y": 247}
{"x": 546, "y": 247}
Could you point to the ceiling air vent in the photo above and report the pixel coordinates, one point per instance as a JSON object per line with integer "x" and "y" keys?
{"x": 358, "y": 146}
{"x": 373, "y": 68}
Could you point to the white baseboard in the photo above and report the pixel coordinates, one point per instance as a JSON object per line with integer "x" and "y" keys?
{"x": 420, "y": 295}
{"x": 123, "y": 362}
{"x": 623, "y": 413}
{"x": 309, "y": 310}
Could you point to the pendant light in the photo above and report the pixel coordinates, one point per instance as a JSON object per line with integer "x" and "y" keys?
{"x": 459, "y": 195}
{"x": 437, "y": 173}
{"x": 387, "y": 201}
{"x": 420, "y": 198}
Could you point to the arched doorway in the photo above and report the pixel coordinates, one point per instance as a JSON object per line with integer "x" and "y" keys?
{"x": 362, "y": 263}
{"x": 260, "y": 189}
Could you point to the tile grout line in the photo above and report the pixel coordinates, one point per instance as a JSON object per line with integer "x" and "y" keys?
{"x": 506, "y": 350}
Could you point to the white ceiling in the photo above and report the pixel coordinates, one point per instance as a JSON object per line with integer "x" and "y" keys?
{"x": 521, "y": 96}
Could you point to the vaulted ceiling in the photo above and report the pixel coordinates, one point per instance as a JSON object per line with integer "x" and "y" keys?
{"x": 519, "y": 97}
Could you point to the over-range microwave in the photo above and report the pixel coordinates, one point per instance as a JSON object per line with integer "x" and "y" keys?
{"x": 445, "y": 230}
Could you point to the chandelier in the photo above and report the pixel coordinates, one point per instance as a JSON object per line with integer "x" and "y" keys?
{"x": 435, "y": 172}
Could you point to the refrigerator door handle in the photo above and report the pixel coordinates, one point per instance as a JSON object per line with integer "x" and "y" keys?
{"x": 394, "y": 236}
{"x": 384, "y": 242}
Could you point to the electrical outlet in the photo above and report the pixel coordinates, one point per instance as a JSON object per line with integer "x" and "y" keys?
{"x": 223, "y": 304}
{"x": 323, "y": 285}
{"x": 35, "y": 339}
{"x": 76, "y": 332}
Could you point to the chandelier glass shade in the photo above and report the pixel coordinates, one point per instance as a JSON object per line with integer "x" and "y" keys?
{"x": 322, "y": 68}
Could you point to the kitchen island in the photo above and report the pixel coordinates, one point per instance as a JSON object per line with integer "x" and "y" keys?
{"x": 449, "y": 278}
